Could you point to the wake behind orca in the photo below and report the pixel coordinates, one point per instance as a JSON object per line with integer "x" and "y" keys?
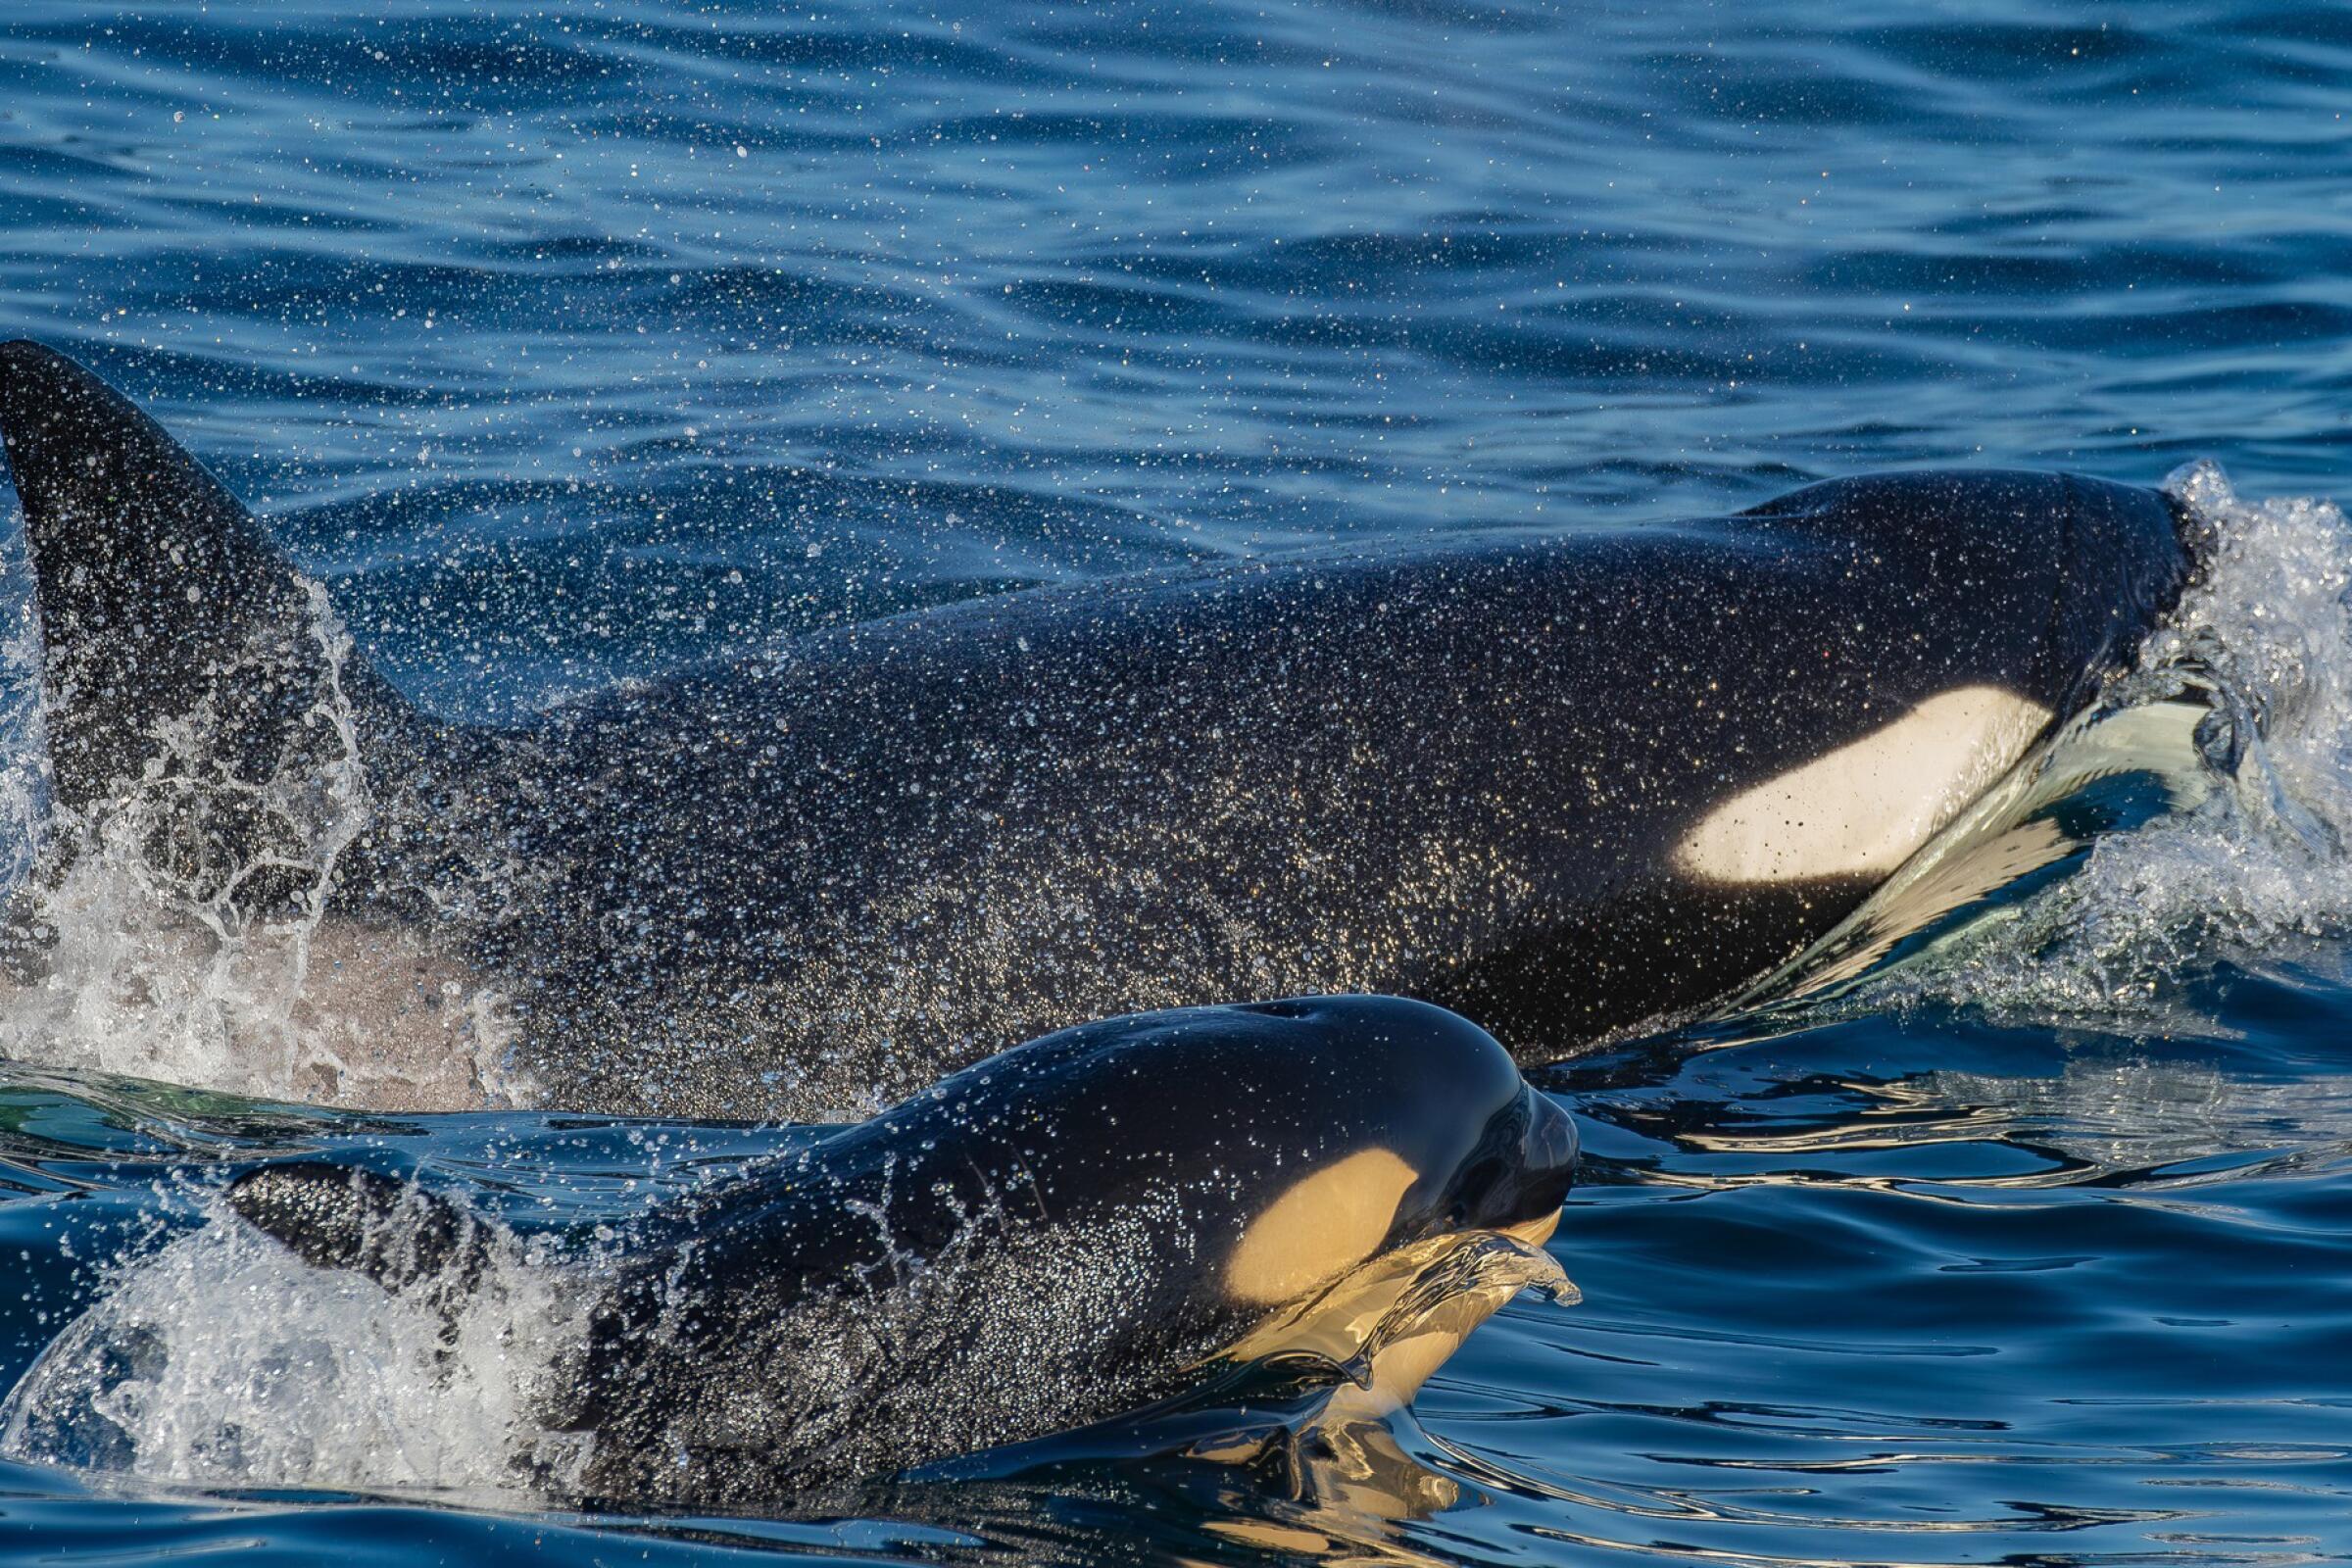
{"x": 1563, "y": 784}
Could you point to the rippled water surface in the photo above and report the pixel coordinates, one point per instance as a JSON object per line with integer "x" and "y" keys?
{"x": 574, "y": 343}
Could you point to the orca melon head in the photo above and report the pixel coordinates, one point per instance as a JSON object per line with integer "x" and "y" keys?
{"x": 1329, "y": 1175}
{"x": 1382, "y": 1259}
{"x": 2069, "y": 570}
{"x": 2033, "y": 590}
{"x": 1457, "y": 1141}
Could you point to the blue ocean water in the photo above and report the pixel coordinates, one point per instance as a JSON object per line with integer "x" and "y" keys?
{"x": 570, "y": 343}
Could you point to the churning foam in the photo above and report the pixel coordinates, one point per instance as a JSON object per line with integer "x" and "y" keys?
{"x": 155, "y": 970}
{"x": 220, "y": 1359}
{"x": 2262, "y": 861}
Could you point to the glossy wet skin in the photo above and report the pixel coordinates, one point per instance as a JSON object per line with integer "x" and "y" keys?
{"x": 1562, "y": 784}
{"x": 1516, "y": 1175}
{"x": 1061, "y": 1234}
{"x": 1224, "y": 1166}
{"x": 1373, "y": 1120}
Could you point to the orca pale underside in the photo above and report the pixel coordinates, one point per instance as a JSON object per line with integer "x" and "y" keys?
{"x": 1563, "y": 784}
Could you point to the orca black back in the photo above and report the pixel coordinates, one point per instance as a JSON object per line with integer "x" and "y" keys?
{"x": 1566, "y": 783}
{"x": 1073, "y": 1230}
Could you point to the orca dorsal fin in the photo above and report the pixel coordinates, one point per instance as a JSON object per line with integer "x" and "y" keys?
{"x": 163, "y": 603}
{"x": 350, "y": 1217}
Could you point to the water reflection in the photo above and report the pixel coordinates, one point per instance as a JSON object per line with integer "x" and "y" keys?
{"x": 1937, "y": 1292}
{"x": 2103, "y": 1116}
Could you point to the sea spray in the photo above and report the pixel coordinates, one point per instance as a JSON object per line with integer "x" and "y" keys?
{"x": 220, "y": 1359}
{"x": 2261, "y": 860}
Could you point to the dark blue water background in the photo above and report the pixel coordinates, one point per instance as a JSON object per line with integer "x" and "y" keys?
{"x": 574, "y": 342}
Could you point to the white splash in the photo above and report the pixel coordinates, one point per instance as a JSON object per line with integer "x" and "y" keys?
{"x": 2262, "y": 861}
{"x": 157, "y": 970}
{"x": 222, "y": 1360}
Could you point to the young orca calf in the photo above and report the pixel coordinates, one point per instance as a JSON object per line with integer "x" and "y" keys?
{"x": 1563, "y": 783}
{"x": 1078, "y": 1228}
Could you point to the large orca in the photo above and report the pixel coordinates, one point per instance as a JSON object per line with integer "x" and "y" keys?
{"x": 1080, "y": 1227}
{"x": 1563, "y": 783}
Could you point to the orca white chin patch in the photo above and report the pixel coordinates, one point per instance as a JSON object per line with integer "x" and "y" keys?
{"x": 1863, "y": 808}
{"x": 1394, "y": 1319}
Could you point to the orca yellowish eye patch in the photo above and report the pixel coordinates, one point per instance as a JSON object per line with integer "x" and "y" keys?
{"x": 1321, "y": 1226}
{"x": 1861, "y": 810}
